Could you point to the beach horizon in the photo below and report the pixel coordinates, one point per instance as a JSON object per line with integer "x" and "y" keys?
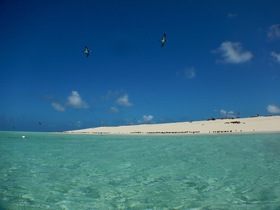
{"x": 258, "y": 124}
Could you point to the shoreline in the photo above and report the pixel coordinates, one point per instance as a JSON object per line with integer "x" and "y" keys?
{"x": 260, "y": 124}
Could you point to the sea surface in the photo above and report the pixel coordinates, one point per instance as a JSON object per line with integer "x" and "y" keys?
{"x": 60, "y": 171}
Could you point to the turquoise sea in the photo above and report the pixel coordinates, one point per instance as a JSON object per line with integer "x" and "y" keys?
{"x": 60, "y": 171}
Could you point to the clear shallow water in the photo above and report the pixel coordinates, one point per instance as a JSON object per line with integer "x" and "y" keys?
{"x": 55, "y": 171}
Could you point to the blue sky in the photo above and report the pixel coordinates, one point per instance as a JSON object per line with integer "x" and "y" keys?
{"x": 222, "y": 59}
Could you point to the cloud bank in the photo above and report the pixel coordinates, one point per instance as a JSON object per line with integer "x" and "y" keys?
{"x": 58, "y": 107}
{"x": 76, "y": 101}
{"x": 274, "y": 32}
{"x": 276, "y": 56}
{"x": 148, "y": 118}
{"x": 190, "y": 73}
{"x": 124, "y": 101}
{"x": 232, "y": 52}
{"x": 273, "y": 109}
{"x": 114, "y": 110}
{"x": 227, "y": 114}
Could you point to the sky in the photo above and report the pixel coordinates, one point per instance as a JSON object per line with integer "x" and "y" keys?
{"x": 221, "y": 59}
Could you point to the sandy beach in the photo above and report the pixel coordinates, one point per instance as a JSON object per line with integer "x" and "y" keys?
{"x": 269, "y": 124}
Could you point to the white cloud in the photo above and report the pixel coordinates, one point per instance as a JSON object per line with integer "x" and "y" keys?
{"x": 190, "y": 73}
{"x": 276, "y": 56}
{"x": 76, "y": 101}
{"x": 187, "y": 73}
{"x": 274, "y": 32}
{"x": 114, "y": 110}
{"x": 232, "y": 52}
{"x": 124, "y": 101}
{"x": 148, "y": 118}
{"x": 58, "y": 107}
{"x": 227, "y": 114}
{"x": 273, "y": 109}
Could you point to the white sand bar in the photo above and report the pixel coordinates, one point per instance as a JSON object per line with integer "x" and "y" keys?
{"x": 270, "y": 124}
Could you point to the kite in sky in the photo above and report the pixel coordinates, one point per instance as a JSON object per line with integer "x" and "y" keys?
{"x": 87, "y": 51}
{"x": 163, "y": 40}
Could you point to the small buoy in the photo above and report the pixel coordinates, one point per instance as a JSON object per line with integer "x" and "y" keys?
{"x": 23, "y": 137}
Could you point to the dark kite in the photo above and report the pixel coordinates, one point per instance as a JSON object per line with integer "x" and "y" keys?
{"x": 87, "y": 51}
{"x": 163, "y": 40}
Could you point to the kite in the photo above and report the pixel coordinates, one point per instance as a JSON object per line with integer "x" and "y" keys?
{"x": 163, "y": 40}
{"x": 87, "y": 51}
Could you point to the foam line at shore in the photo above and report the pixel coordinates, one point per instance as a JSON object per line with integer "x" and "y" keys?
{"x": 270, "y": 124}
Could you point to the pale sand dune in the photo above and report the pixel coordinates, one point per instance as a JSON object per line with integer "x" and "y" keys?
{"x": 269, "y": 124}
